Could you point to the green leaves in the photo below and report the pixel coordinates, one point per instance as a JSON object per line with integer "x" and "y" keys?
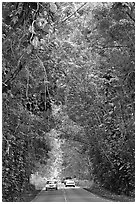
{"x": 97, "y": 96}
{"x": 69, "y": 64}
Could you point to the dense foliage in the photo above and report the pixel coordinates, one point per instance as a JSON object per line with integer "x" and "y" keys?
{"x": 26, "y": 101}
{"x": 69, "y": 65}
{"x": 23, "y": 146}
{"x": 101, "y": 91}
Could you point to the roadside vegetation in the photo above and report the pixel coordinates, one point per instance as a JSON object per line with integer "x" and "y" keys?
{"x": 68, "y": 67}
{"x": 101, "y": 191}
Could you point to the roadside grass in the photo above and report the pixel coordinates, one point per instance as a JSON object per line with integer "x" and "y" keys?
{"x": 29, "y": 196}
{"x": 100, "y": 191}
{"x": 37, "y": 184}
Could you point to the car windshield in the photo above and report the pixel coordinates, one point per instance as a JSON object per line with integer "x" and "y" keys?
{"x": 68, "y": 178}
{"x": 70, "y": 181}
{"x": 51, "y": 182}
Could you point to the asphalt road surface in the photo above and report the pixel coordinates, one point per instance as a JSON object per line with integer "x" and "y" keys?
{"x": 68, "y": 194}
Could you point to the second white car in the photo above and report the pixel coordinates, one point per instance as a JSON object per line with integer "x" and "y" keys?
{"x": 70, "y": 183}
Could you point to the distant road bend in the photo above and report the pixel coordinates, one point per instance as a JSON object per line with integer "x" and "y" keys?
{"x": 67, "y": 194}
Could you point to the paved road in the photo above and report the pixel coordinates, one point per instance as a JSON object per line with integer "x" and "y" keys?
{"x": 68, "y": 194}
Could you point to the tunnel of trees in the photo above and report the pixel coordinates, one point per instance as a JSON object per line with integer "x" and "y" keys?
{"x": 79, "y": 57}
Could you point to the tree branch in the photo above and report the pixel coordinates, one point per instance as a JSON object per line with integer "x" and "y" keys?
{"x": 27, "y": 88}
{"x": 45, "y": 77}
{"x": 73, "y": 13}
{"x": 15, "y": 73}
{"x": 110, "y": 47}
{"x": 130, "y": 16}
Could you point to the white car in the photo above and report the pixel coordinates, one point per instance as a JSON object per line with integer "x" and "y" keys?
{"x": 51, "y": 185}
{"x": 69, "y": 183}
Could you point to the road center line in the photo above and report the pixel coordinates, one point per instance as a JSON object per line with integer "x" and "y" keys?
{"x": 64, "y": 195}
{"x": 38, "y": 194}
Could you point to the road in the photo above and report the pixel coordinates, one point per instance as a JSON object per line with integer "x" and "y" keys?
{"x": 68, "y": 194}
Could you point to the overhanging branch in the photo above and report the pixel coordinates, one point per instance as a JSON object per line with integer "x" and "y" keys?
{"x": 73, "y": 13}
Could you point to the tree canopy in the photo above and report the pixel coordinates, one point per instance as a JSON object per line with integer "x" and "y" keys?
{"x": 68, "y": 66}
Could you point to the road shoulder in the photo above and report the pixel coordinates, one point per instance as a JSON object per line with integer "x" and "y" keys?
{"x": 108, "y": 195}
